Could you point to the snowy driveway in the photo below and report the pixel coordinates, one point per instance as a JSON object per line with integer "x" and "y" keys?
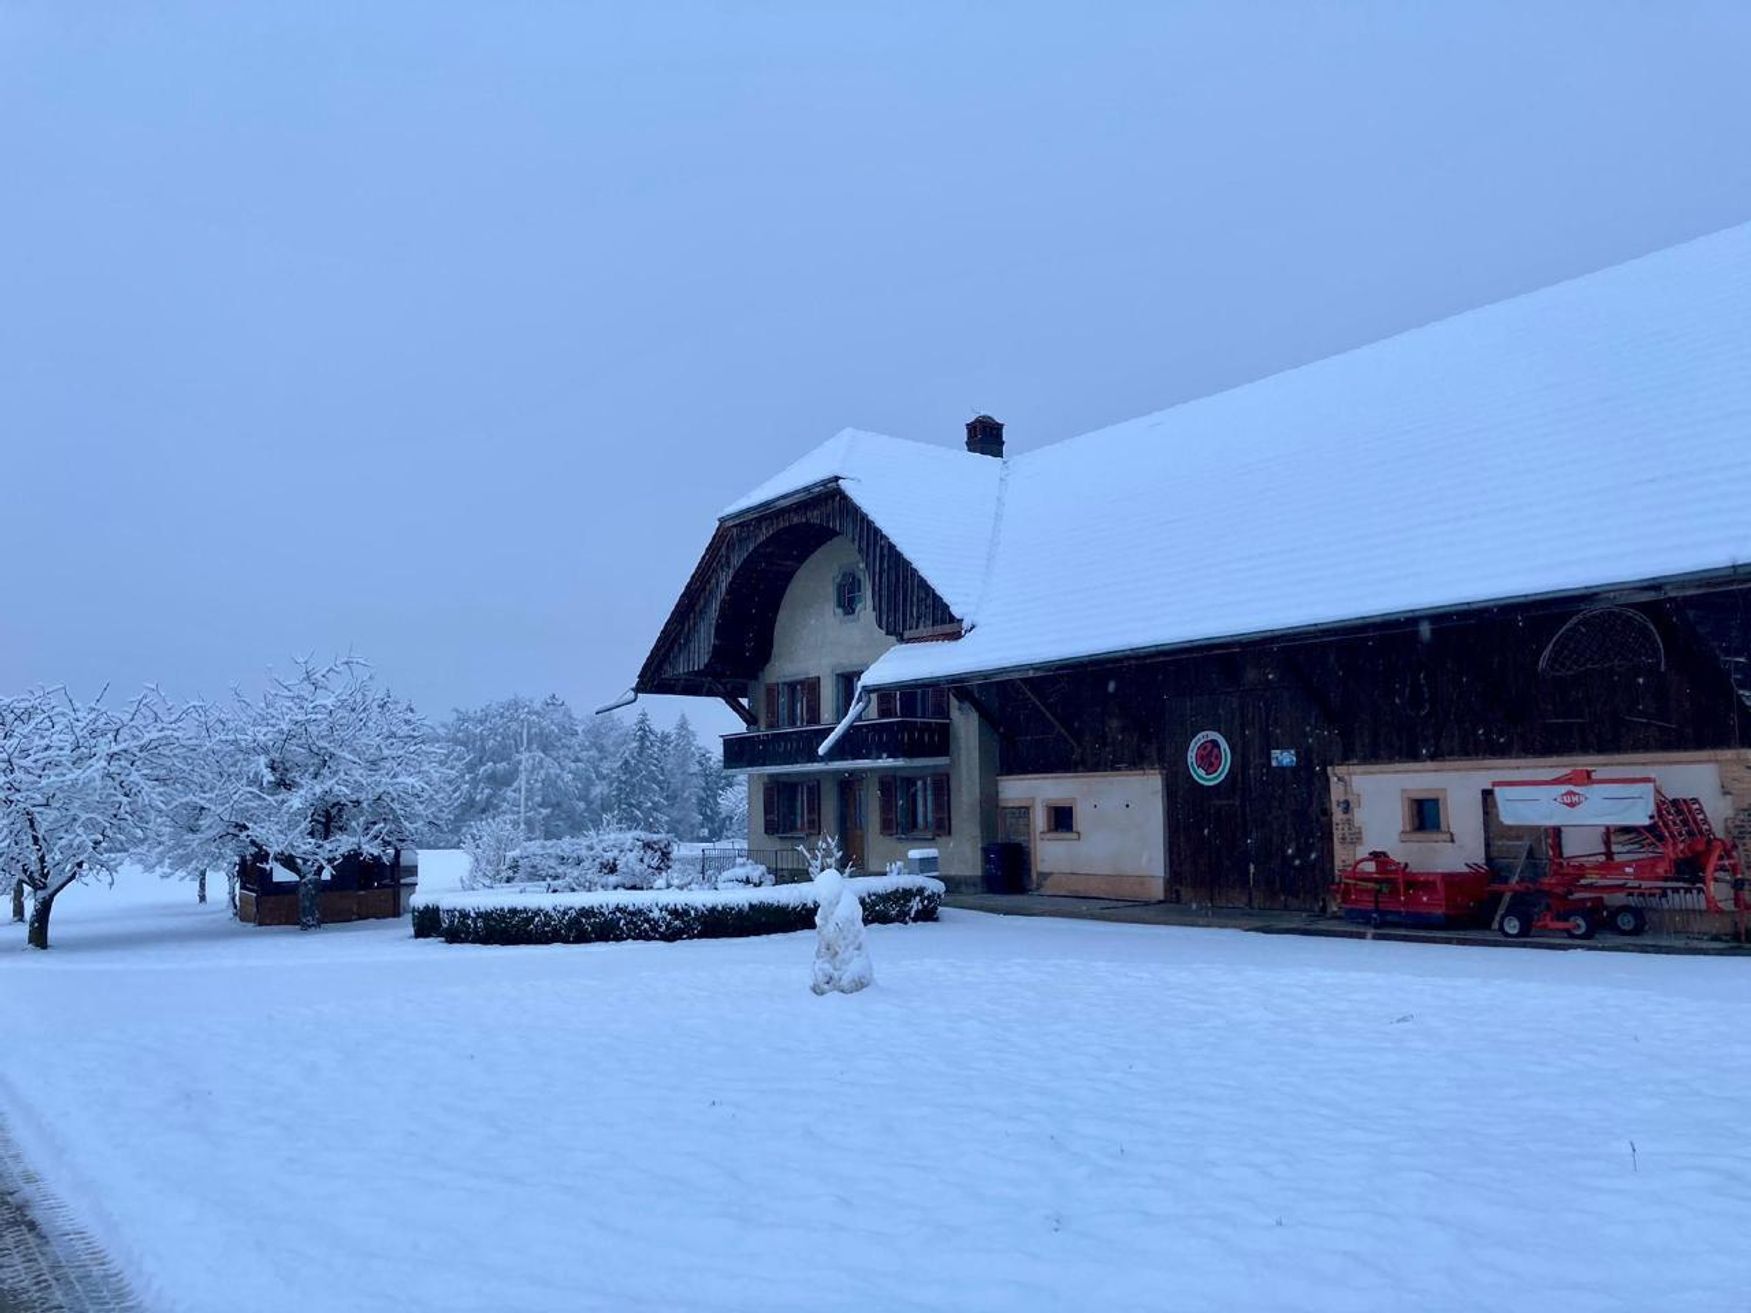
{"x": 47, "y": 1265}
{"x": 1023, "y": 1114}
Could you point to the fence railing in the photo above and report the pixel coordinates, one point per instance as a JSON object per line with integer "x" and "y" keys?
{"x": 787, "y": 865}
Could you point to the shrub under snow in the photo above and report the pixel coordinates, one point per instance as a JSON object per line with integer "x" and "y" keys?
{"x": 743, "y": 875}
{"x": 602, "y": 859}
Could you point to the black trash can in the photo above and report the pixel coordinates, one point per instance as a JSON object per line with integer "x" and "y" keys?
{"x": 1003, "y": 868}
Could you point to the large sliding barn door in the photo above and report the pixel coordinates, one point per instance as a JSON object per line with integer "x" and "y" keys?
{"x": 1261, "y": 835}
{"x": 1208, "y": 851}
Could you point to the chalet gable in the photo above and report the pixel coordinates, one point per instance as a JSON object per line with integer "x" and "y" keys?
{"x": 719, "y": 635}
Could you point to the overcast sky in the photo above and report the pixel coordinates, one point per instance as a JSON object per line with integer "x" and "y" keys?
{"x": 442, "y": 332}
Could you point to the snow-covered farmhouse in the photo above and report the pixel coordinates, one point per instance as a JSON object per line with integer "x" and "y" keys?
{"x": 1213, "y": 654}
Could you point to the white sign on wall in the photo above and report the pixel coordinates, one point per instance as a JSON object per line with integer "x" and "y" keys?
{"x": 1575, "y": 802}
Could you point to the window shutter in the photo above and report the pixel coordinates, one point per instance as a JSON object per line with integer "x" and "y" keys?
{"x": 771, "y": 709}
{"x": 770, "y": 799}
{"x": 812, "y": 806}
{"x": 885, "y": 791}
{"x": 812, "y": 701}
{"x": 939, "y": 704}
{"x": 939, "y": 804}
{"x": 887, "y": 705}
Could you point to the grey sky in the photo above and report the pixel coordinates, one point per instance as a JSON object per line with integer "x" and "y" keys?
{"x": 441, "y": 332}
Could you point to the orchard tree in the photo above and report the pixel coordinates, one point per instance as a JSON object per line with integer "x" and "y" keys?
{"x": 333, "y": 767}
{"x": 201, "y": 824}
{"x": 80, "y": 788}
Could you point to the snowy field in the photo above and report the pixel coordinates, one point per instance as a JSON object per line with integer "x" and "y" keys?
{"x": 1022, "y": 1114}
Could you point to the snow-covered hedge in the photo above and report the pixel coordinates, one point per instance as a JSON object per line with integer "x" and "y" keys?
{"x": 509, "y": 916}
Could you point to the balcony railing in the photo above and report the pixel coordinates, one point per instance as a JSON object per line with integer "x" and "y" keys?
{"x": 900, "y": 739}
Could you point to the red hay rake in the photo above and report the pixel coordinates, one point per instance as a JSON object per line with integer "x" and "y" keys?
{"x": 1652, "y": 849}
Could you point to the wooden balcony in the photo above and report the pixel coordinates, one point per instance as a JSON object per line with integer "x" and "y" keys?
{"x": 898, "y": 739}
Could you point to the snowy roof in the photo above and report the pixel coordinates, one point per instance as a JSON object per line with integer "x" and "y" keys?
{"x": 936, "y": 504}
{"x": 1569, "y": 439}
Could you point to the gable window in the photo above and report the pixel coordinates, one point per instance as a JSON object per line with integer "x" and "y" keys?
{"x": 793, "y": 807}
{"x": 791, "y": 703}
{"x": 913, "y": 704}
{"x": 914, "y": 806}
{"x": 848, "y": 593}
{"x": 1061, "y": 819}
{"x": 1425, "y": 816}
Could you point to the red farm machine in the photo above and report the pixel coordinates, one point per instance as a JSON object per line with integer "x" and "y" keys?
{"x": 1651, "y": 848}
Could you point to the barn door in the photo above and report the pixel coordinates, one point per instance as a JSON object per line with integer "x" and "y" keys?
{"x": 1016, "y": 825}
{"x": 1209, "y": 848}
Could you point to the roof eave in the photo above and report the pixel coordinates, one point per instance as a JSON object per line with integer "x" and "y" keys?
{"x": 1640, "y": 590}
{"x": 783, "y": 499}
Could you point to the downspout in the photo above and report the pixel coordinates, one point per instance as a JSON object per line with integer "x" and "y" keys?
{"x": 626, "y": 699}
{"x": 858, "y": 705}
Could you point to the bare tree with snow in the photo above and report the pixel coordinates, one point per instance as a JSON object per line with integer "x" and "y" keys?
{"x": 80, "y": 786}
{"x": 332, "y": 767}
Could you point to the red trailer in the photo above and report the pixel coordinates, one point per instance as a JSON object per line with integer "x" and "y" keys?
{"x": 1650, "y": 847}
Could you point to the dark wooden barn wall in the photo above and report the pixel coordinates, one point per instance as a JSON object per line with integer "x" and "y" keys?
{"x": 1458, "y": 687}
{"x": 720, "y": 632}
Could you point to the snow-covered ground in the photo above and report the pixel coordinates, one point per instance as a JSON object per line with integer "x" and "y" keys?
{"x": 1022, "y": 1114}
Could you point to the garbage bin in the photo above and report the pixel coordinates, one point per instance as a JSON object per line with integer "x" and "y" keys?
{"x": 1003, "y": 868}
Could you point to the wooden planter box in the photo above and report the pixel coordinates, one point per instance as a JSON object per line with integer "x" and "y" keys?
{"x": 338, "y": 905}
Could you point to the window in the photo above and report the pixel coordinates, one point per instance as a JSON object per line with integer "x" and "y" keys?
{"x": 793, "y": 807}
{"x": 845, "y": 685}
{"x": 1061, "y": 818}
{"x": 1605, "y": 638}
{"x": 1425, "y": 816}
{"x": 914, "y": 806}
{"x": 913, "y": 704}
{"x": 848, "y": 592}
{"x": 793, "y": 702}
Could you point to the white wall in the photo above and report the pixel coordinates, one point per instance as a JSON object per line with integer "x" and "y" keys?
{"x": 1118, "y": 851}
{"x": 810, "y": 637}
{"x": 1378, "y": 801}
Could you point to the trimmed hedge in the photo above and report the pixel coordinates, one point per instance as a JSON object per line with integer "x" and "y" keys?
{"x": 584, "y": 919}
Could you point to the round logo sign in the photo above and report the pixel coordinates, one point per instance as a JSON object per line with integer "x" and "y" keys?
{"x": 1208, "y": 758}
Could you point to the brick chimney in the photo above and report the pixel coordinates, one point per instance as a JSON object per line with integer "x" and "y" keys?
{"x": 985, "y": 436}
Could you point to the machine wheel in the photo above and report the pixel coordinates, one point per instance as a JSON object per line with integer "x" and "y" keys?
{"x": 1582, "y": 925}
{"x": 1517, "y": 920}
{"x": 1628, "y": 920}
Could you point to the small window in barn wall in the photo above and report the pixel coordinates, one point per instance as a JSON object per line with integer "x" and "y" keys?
{"x": 1060, "y": 819}
{"x": 1425, "y": 816}
{"x": 848, "y": 593}
{"x": 1605, "y": 638}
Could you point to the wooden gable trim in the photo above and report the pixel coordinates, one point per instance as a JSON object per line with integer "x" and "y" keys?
{"x": 719, "y": 631}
